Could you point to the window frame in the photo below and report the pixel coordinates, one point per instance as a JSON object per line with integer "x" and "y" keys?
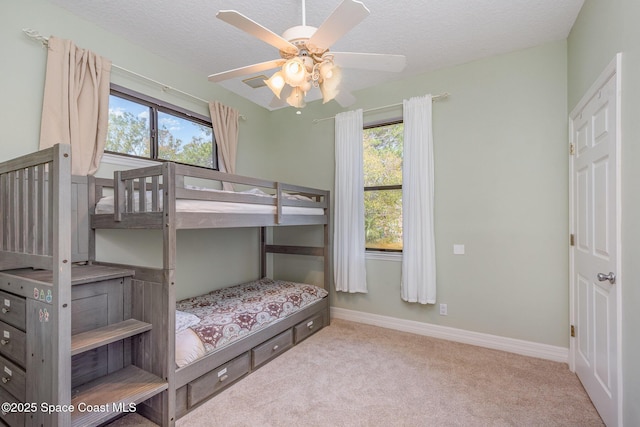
{"x": 381, "y": 253}
{"x": 156, "y": 105}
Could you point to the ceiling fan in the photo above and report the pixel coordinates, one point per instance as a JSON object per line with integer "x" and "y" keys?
{"x": 305, "y": 59}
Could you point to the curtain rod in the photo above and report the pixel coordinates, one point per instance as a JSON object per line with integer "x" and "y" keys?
{"x": 433, "y": 98}
{"x": 34, "y": 35}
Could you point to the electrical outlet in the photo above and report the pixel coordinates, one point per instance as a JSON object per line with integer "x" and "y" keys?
{"x": 443, "y": 309}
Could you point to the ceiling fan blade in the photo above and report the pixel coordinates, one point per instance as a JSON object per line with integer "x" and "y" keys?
{"x": 344, "y": 98}
{"x": 242, "y": 71}
{"x": 346, "y": 16}
{"x": 369, "y": 61}
{"x": 249, "y": 26}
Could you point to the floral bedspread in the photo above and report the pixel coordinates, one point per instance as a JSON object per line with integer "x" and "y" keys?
{"x": 231, "y": 313}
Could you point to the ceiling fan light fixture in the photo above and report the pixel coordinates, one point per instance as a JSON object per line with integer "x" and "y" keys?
{"x": 275, "y": 83}
{"x": 295, "y": 72}
{"x": 329, "y": 85}
{"x": 326, "y": 70}
{"x": 296, "y": 99}
{"x": 308, "y": 62}
{"x": 306, "y": 86}
{"x": 328, "y": 93}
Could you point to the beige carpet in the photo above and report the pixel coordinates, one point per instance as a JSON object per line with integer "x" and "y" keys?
{"x": 351, "y": 374}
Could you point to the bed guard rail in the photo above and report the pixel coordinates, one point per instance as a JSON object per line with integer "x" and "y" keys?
{"x": 35, "y": 192}
{"x": 169, "y": 181}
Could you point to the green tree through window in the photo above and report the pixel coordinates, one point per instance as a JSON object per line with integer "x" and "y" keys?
{"x": 144, "y": 127}
{"x": 383, "y": 186}
{"x": 129, "y": 131}
{"x": 184, "y": 141}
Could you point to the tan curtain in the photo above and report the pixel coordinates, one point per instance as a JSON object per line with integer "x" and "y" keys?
{"x": 75, "y": 109}
{"x": 225, "y": 129}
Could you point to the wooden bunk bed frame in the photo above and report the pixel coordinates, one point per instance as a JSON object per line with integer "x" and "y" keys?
{"x": 34, "y": 220}
{"x": 45, "y": 358}
{"x": 154, "y": 288}
{"x": 47, "y": 223}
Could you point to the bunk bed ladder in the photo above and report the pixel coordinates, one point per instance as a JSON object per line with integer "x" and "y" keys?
{"x": 104, "y": 357}
{"x": 151, "y": 291}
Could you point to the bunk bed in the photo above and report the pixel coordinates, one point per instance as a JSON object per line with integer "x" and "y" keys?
{"x": 164, "y": 197}
{"x": 50, "y": 276}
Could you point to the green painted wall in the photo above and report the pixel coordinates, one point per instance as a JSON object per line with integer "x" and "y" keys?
{"x": 602, "y": 30}
{"x": 500, "y": 187}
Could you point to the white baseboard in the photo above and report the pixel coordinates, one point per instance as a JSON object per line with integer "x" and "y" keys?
{"x": 511, "y": 345}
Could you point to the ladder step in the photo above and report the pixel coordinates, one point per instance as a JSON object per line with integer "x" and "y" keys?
{"x": 105, "y": 398}
{"x": 95, "y": 338}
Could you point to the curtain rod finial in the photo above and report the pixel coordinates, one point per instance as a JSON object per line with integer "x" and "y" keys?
{"x": 34, "y": 35}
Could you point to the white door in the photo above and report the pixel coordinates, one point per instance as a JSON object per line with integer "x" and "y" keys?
{"x": 595, "y": 224}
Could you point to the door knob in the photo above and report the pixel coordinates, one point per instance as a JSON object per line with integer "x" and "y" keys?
{"x": 611, "y": 277}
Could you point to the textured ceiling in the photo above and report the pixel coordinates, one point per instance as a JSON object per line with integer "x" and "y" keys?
{"x": 432, "y": 34}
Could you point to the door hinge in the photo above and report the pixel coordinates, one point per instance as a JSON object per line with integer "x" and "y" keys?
{"x": 572, "y": 149}
{"x": 573, "y": 331}
{"x": 572, "y": 239}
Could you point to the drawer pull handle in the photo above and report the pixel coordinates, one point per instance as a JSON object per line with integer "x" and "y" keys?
{"x": 224, "y": 377}
{"x": 5, "y": 380}
{"x": 4, "y": 342}
{"x": 5, "y": 310}
{"x": 275, "y": 347}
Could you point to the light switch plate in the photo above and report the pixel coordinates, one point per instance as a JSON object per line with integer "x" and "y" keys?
{"x": 458, "y": 249}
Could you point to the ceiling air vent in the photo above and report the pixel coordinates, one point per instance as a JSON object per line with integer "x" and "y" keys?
{"x": 256, "y": 82}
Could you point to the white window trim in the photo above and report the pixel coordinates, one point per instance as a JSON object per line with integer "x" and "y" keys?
{"x": 383, "y": 256}
{"x": 133, "y": 162}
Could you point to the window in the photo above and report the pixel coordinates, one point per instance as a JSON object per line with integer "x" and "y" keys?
{"x": 145, "y": 127}
{"x": 383, "y": 186}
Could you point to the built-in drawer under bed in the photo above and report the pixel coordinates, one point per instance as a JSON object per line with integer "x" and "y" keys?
{"x": 264, "y": 346}
{"x": 209, "y": 322}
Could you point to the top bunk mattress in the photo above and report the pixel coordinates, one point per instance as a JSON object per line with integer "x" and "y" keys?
{"x": 106, "y": 204}
{"x": 226, "y": 315}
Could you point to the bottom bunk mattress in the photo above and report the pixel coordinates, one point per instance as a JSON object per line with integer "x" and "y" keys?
{"x": 208, "y": 322}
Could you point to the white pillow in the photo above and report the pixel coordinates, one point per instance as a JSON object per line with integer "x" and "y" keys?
{"x": 257, "y": 192}
{"x": 188, "y": 347}
{"x": 185, "y": 320}
{"x": 194, "y": 187}
{"x": 297, "y": 197}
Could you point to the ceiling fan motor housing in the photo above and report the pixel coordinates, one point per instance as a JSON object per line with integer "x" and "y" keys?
{"x": 299, "y": 36}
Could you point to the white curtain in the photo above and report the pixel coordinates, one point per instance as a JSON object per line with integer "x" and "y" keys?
{"x": 349, "y": 240}
{"x": 75, "y": 108}
{"x": 225, "y": 129}
{"x": 418, "y": 253}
